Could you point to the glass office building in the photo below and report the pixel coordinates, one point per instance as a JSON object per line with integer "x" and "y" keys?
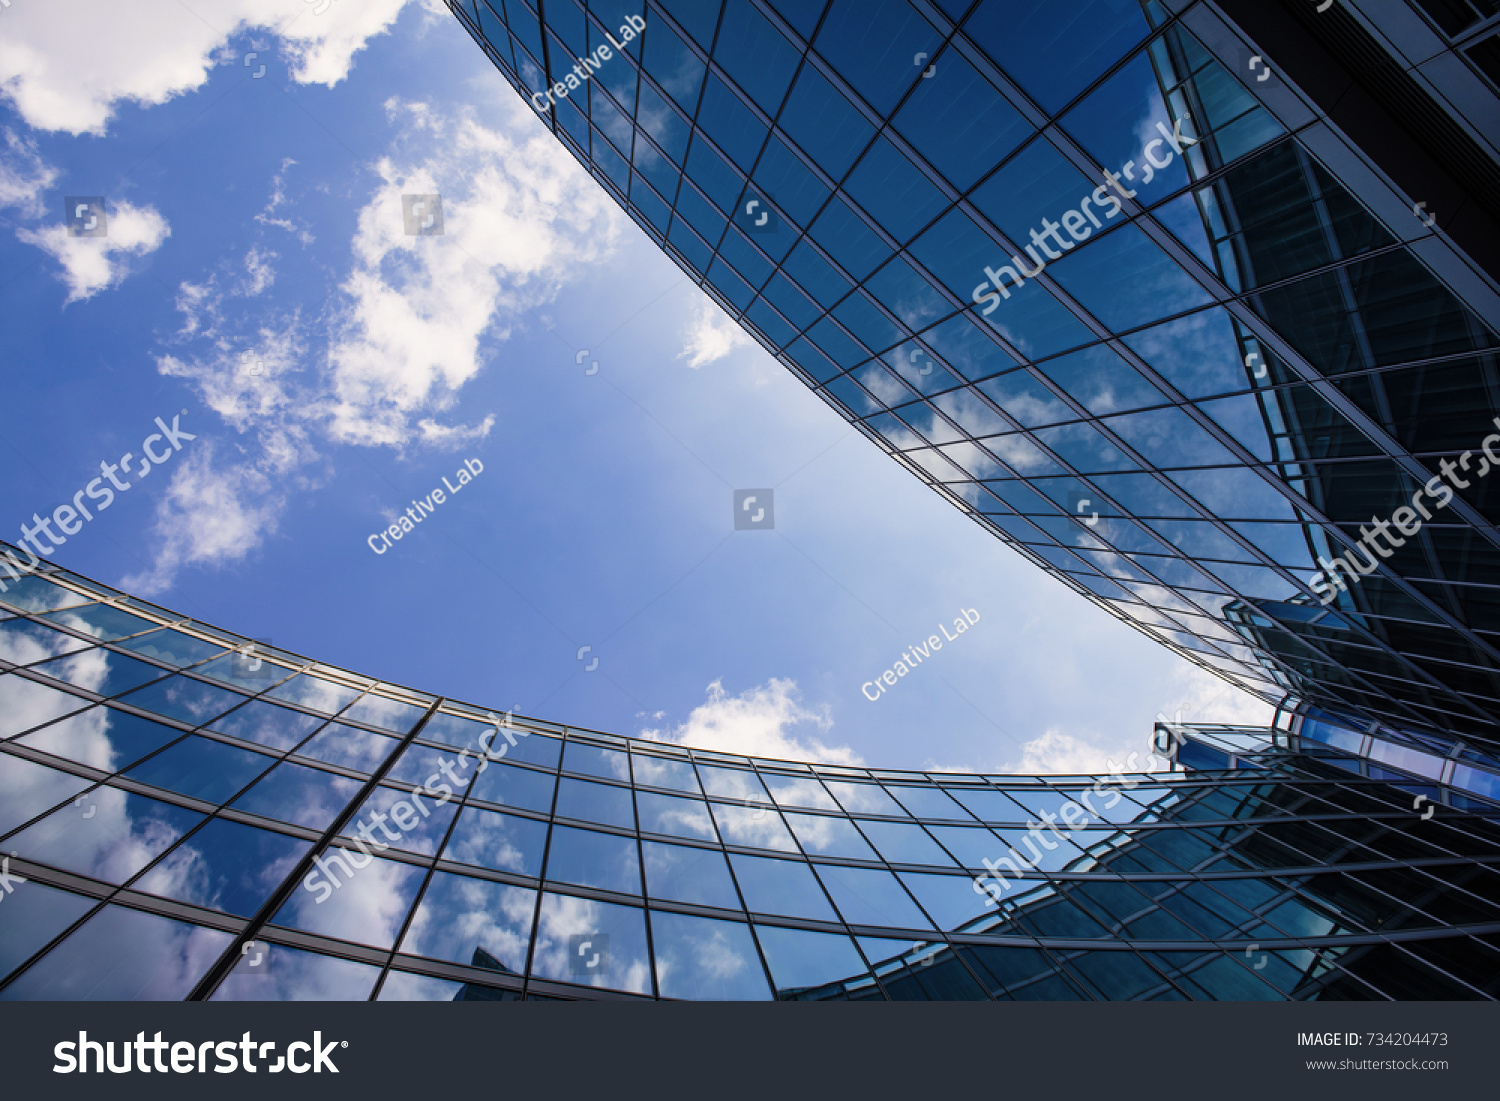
{"x": 187, "y": 814}
{"x": 1193, "y": 304}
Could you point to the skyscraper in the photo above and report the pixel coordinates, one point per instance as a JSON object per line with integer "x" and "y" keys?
{"x": 185, "y": 813}
{"x": 1192, "y": 303}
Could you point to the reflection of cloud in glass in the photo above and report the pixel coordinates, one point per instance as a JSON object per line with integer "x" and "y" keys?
{"x": 490, "y": 840}
{"x": 705, "y": 959}
{"x": 108, "y": 834}
{"x": 757, "y": 826}
{"x": 459, "y": 914}
{"x": 564, "y": 916}
{"x": 296, "y": 976}
{"x": 367, "y": 909}
{"x": 122, "y": 955}
{"x": 25, "y": 704}
{"x": 27, "y": 789}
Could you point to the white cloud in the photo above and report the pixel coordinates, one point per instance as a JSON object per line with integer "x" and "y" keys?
{"x": 24, "y": 175}
{"x": 407, "y": 328}
{"x": 759, "y": 722}
{"x": 211, "y": 515}
{"x": 93, "y": 264}
{"x": 711, "y": 336}
{"x": 1197, "y": 697}
{"x": 66, "y": 65}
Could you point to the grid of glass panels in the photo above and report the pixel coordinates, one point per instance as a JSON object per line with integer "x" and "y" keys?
{"x": 255, "y": 825}
{"x": 1214, "y": 361}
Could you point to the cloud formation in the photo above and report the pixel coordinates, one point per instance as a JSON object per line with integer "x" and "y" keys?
{"x": 407, "y": 327}
{"x": 66, "y": 65}
{"x": 93, "y": 264}
{"x": 711, "y": 336}
{"x": 759, "y": 722}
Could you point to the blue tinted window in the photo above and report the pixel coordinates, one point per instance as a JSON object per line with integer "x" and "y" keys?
{"x": 1169, "y": 438}
{"x": 960, "y": 123}
{"x": 826, "y": 125}
{"x": 777, "y": 331}
{"x": 504, "y": 841}
{"x": 267, "y": 724}
{"x": 848, "y": 240}
{"x": 353, "y": 896}
{"x": 966, "y": 349}
{"x": 872, "y": 44}
{"x": 676, "y": 68}
{"x": 754, "y": 267}
{"x": 829, "y": 836}
{"x": 755, "y": 55}
{"x": 800, "y": 959}
{"x": 907, "y": 294}
{"x": 801, "y": 14}
{"x": 414, "y": 821}
{"x": 788, "y": 181}
{"x": 566, "y": 19}
{"x": 166, "y": 958}
{"x": 699, "y": 19}
{"x": 203, "y": 769}
{"x": 650, "y": 204}
{"x": 102, "y": 738}
{"x": 700, "y": 214}
{"x": 107, "y": 834}
{"x": 684, "y": 874}
{"x": 904, "y": 843}
{"x": 790, "y": 302}
{"x": 595, "y": 803}
{"x": 1054, "y": 50}
{"x": 957, "y": 252}
{"x": 121, "y": 674}
{"x": 844, "y": 351}
{"x": 891, "y": 189}
{"x": 678, "y": 817}
{"x": 697, "y": 254}
{"x": 871, "y": 326}
{"x": 1099, "y": 380}
{"x": 472, "y": 921}
{"x": 698, "y": 958}
{"x": 34, "y": 915}
{"x": 593, "y": 859}
{"x": 785, "y": 887}
{"x": 515, "y": 787}
{"x": 716, "y": 178}
{"x": 387, "y": 714}
{"x": 350, "y": 747}
{"x": 733, "y": 126}
{"x": 722, "y": 276}
{"x": 1157, "y": 285}
{"x": 1118, "y": 125}
{"x": 1038, "y": 185}
{"x": 950, "y": 899}
{"x": 592, "y": 944}
{"x": 295, "y": 793}
{"x": 669, "y": 129}
{"x": 868, "y": 897}
{"x": 225, "y": 866}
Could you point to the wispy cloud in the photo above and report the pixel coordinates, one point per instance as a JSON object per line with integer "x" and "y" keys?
{"x": 406, "y": 327}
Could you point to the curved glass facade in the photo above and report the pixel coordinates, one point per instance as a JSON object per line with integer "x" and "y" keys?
{"x": 190, "y": 814}
{"x": 1108, "y": 281}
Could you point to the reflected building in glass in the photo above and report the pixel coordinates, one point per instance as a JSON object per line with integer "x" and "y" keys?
{"x": 1193, "y": 304}
{"x": 188, "y": 814}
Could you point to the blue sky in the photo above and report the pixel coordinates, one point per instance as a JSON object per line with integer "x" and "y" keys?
{"x": 257, "y": 274}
